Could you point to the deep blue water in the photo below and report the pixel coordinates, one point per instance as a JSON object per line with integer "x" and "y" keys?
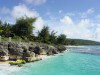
{"x": 83, "y": 60}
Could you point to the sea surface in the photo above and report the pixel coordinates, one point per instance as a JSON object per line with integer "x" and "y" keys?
{"x": 81, "y": 60}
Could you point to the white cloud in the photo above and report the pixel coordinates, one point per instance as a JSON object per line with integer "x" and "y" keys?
{"x": 97, "y": 32}
{"x": 87, "y": 13}
{"x": 22, "y": 10}
{"x": 84, "y": 23}
{"x": 79, "y": 30}
{"x": 35, "y": 2}
{"x": 67, "y": 20}
{"x": 84, "y": 28}
{"x": 39, "y": 23}
{"x": 90, "y": 11}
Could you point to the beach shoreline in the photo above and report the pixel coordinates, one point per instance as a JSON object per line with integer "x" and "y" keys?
{"x": 7, "y": 62}
{"x": 43, "y": 57}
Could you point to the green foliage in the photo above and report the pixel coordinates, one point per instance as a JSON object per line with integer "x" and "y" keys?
{"x": 53, "y": 38}
{"x": 7, "y": 30}
{"x": 22, "y": 30}
{"x": 81, "y": 42}
{"x": 61, "y": 39}
{"x": 44, "y": 35}
{"x": 24, "y": 27}
{"x": 18, "y": 62}
{"x": 1, "y": 27}
{"x": 31, "y": 38}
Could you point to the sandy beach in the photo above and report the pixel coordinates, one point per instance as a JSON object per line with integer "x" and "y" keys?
{"x": 4, "y": 62}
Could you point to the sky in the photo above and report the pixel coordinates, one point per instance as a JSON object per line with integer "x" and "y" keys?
{"x": 78, "y": 19}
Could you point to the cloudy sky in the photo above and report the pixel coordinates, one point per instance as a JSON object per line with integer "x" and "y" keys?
{"x": 75, "y": 18}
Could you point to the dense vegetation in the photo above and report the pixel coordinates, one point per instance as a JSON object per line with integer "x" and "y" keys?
{"x": 23, "y": 29}
{"x": 81, "y": 42}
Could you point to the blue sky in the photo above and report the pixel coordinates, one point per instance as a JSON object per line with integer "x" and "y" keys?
{"x": 75, "y": 18}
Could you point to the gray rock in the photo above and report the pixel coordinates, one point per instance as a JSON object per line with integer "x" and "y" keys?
{"x": 28, "y": 56}
{"x": 15, "y": 49}
{"x": 28, "y": 51}
{"x": 3, "y": 49}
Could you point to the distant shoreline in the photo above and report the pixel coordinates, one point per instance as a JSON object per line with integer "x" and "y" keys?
{"x": 74, "y": 46}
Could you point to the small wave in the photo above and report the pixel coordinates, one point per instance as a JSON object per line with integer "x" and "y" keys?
{"x": 7, "y": 69}
{"x": 75, "y": 46}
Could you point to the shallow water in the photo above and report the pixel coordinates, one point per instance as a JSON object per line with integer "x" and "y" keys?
{"x": 79, "y": 61}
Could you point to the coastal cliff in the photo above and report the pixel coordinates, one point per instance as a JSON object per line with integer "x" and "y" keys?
{"x": 29, "y": 52}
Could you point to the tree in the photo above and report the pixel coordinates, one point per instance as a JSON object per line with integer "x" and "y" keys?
{"x": 6, "y": 30}
{"x": 24, "y": 27}
{"x": 1, "y": 27}
{"x": 53, "y": 38}
{"x": 44, "y": 35}
{"x": 61, "y": 39}
{"x": 73, "y": 42}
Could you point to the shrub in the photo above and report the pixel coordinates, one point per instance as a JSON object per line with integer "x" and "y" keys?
{"x": 18, "y": 62}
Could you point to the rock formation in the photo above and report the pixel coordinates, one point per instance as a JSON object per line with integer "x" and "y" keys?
{"x": 27, "y": 51}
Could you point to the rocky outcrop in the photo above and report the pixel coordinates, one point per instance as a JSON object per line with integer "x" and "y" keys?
{"x": 3, "y": 49}
{"x": 15, "y": 49}
{"x": 28, "y": 56}
{"x": 4, "y": 58}
{"x": 27, "y": 51}
{"x": 60, "y": 48}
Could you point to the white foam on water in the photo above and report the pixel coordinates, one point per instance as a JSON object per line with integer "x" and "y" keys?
{"x": 7, "y": 69}
{"x": 75, "y": 46}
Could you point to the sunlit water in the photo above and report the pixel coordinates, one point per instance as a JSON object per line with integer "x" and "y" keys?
{"x": 83, "y": 60}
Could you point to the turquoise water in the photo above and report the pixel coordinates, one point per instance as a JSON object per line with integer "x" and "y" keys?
{"x": 78, "y": 61}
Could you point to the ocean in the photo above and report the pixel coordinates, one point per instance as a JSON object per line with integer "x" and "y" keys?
{"x": 82, "y": 60}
